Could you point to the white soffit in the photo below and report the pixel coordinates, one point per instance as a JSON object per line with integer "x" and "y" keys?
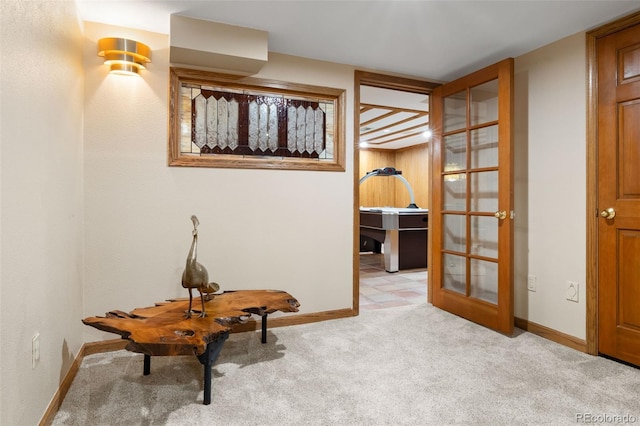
{"x": 197, "y": 43}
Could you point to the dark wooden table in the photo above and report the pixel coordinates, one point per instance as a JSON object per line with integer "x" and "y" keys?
{"x": 163, "y": 329}
{"x": 402, "y": 232}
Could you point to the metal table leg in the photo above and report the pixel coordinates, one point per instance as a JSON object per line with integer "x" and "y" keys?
{"x": 147, "y": 365}
{"x": 264, "y": 328}
{"x": 207, "y": 359}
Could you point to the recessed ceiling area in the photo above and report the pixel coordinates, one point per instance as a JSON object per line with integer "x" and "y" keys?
{"x": 392, "y": 119}
{"x": 439, "y": 40}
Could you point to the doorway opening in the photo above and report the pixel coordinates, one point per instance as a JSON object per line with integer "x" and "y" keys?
{"x": 392, "y": 128}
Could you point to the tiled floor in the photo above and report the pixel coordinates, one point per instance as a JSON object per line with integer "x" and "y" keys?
{"x": 380, "y": 289}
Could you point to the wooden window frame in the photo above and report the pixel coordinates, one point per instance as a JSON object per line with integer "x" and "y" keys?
{"x": 180, "y": 76}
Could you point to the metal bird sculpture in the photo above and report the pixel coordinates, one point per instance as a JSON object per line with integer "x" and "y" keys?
{"x": 195, "y": 275}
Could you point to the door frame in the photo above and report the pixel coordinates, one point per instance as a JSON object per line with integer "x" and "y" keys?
{"x": 384, "y": 81}
{"x": 592, "y": 173}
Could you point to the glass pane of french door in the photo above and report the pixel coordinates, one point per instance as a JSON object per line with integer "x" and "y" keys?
{"x": 470, "y": 192}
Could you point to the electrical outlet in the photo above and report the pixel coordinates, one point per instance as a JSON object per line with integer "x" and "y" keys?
{"x": 35, "y": 350}
{"x": 573, "y": 291}
{"x": 531, "y": 282}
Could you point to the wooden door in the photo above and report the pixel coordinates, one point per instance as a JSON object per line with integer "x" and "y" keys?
{"x": 619, "y": 195}
{"x": 471, "y": 212}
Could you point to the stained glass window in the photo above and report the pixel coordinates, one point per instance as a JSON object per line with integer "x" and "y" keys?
{"x": 214, "y": 123}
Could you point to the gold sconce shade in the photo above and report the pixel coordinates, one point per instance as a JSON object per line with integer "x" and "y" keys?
{"x": 124, "y": 56}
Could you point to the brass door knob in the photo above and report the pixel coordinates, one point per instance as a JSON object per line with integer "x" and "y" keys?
{"x": 609, "y": 213}
{"x": 500, "y": 215}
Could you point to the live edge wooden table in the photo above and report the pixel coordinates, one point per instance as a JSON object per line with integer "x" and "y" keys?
{"x": 163, "y": 329}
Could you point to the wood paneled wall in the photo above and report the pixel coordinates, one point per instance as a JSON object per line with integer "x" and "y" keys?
{"x": 377, "y": 191}
{"x": 414, "y": 163}
{"x": 391, "y": 192}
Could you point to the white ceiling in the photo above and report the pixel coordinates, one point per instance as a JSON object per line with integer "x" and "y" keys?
{"x": 435, "y": 39}
{"x": 438, "y": 40}
{"x": 391, "y": 119}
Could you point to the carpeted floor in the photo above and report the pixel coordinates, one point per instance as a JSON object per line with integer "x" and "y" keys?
{"x": 410, "y": 365}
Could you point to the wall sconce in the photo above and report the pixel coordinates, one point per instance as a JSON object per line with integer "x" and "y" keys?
{"x": 124, "y": 56}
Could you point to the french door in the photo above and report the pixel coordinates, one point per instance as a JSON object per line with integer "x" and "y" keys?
{"x": 471, "y": 217}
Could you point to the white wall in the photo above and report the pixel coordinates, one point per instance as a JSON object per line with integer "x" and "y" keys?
{"x": 550, "y": 175}
{"x": 41, "y": 197}
{"x": 288, "y": 230}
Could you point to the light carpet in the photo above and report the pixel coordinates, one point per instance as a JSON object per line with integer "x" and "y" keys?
{"x": 411, "y": 365}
